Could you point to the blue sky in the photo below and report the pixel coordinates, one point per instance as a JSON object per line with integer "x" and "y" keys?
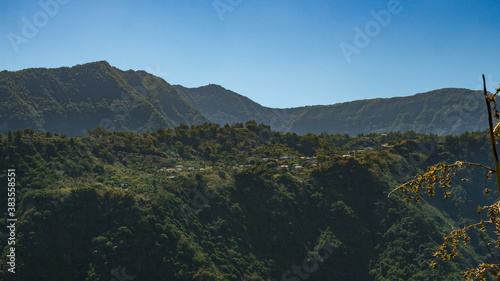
{"x": 278, "y": 53}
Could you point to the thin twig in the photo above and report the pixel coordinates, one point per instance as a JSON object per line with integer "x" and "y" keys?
{"x": 458, "y": 163}
{"x": 490, "y": 251}
{"x": 492, "y": 135}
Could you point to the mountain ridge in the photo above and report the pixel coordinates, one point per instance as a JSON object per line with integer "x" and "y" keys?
{"x": 449, "y": 106}
{"x": 71, "y": 100}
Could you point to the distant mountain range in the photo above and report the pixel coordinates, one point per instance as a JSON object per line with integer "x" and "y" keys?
{"x": 73, "y": 100}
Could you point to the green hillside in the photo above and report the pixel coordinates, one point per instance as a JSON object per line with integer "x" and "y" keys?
{"x": 443, "y": 112}
{"x": 223, "y": 106}
{"x": 73, "y": 100}
{"x": 225, "y": 203}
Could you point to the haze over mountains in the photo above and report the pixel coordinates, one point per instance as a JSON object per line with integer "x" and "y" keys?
{"x": 74, "y": 100}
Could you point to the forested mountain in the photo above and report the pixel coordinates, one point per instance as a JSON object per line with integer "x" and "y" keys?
{"x": 234, "y": 203}
{"x": 223, "y": 106}
{"x": 443, "y": 112}
{"x": 73, "y": 100}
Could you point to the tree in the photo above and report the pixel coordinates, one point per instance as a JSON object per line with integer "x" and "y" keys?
{"x": 442, "y": 175}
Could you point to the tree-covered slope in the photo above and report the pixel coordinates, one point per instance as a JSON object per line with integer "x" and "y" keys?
{"x": 443, "y": 112}
{"x": 223, "y": 106}
{"x": 230, "y": 203}
{"x": 73, "y": 100}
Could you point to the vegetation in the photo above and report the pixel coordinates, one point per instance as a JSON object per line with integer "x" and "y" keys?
{"x": 73, "y": 100}
{"x": 488, "y": 225}
{"x": 444, "y": 112}
{"x": 234, "y": 202}
{"x": 223, "y": 106}
{"x": 204, "y": 201}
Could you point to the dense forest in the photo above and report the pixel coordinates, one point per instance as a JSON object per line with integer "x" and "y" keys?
{"x": 235, "y": 202}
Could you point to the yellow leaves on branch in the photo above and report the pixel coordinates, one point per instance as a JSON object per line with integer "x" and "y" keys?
{"x": 440, "y": 175}
{"x": 479, "y": 272}
{"x": 448, "y": 249}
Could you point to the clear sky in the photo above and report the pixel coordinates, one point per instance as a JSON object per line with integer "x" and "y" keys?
{"x": 281, "y": 53}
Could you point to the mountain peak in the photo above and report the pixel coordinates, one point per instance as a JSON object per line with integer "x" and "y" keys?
{"x": 73, "y": 100}
{"x": 100, "y": 63}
